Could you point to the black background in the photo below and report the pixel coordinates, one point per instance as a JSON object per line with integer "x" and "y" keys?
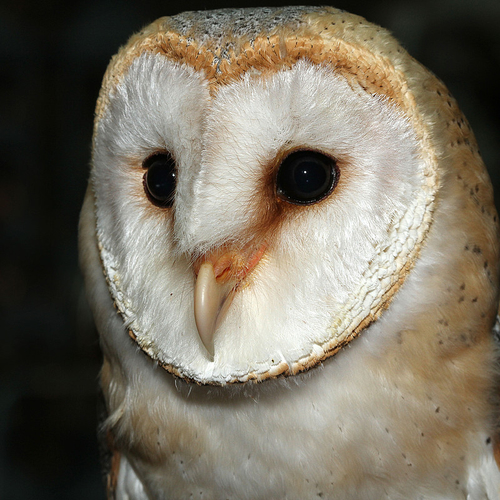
{"x": 52, "y": 58}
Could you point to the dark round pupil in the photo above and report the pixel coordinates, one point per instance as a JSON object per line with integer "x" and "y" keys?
{"x": 306, "y": 177}
{"x": 160, "y": 179}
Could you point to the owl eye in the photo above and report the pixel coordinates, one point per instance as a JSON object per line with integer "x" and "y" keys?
{"x": 305, "y": 177}
{"x": 160, "y": 179}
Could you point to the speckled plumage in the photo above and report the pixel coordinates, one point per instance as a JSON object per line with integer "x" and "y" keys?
{"x": 403, "y": 254}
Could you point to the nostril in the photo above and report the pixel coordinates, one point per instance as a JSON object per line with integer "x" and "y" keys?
{"x": 231, "y": 265}
{"x": 225, "y": 264}
{"x": 226, "y": 267}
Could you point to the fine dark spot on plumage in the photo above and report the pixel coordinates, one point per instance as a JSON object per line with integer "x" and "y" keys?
{"x": 476, "y": 249}
{"x": 462, "y": 286}
{"x": 474, "y": 299}
{"x": 488, "y": 440}
{"x": 437, "y": 409}
{"x": 461, "y": 299}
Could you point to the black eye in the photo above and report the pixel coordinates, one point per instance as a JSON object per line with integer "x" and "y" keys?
{"x": 305, "y": 177}
{"x": 160, "y": 178}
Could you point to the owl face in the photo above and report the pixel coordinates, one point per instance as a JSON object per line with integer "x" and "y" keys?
{"x": 258, "y": 202}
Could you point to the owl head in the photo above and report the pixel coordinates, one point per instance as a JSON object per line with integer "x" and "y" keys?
{"x": 265, "y": 181}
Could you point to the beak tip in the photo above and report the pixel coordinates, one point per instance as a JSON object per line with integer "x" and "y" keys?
{"x": 210, "y": 353}
{"x": 206, "y": 336}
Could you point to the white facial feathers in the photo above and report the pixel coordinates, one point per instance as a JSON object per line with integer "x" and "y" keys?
{"x": 318, "y": 267}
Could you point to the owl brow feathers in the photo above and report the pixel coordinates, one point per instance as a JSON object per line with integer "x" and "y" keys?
{"x": 225, "y": 63}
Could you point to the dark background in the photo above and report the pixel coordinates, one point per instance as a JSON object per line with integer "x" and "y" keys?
{"x": 52, "y": 58}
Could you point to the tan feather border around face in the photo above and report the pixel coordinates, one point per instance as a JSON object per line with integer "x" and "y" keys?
{"x": 365, "y": 55}
{"x": 228, "y": 60}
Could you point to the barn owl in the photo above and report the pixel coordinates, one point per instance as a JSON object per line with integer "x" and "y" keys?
{"x": 291, "y": 252}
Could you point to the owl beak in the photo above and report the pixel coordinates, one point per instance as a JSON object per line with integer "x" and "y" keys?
{"x": 211, "y": 303}
{"x": 218, "y": 277}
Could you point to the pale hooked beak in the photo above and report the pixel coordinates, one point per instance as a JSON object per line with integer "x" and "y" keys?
{"x": 218, "y": 278}
{"x": 211, "y": 303}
